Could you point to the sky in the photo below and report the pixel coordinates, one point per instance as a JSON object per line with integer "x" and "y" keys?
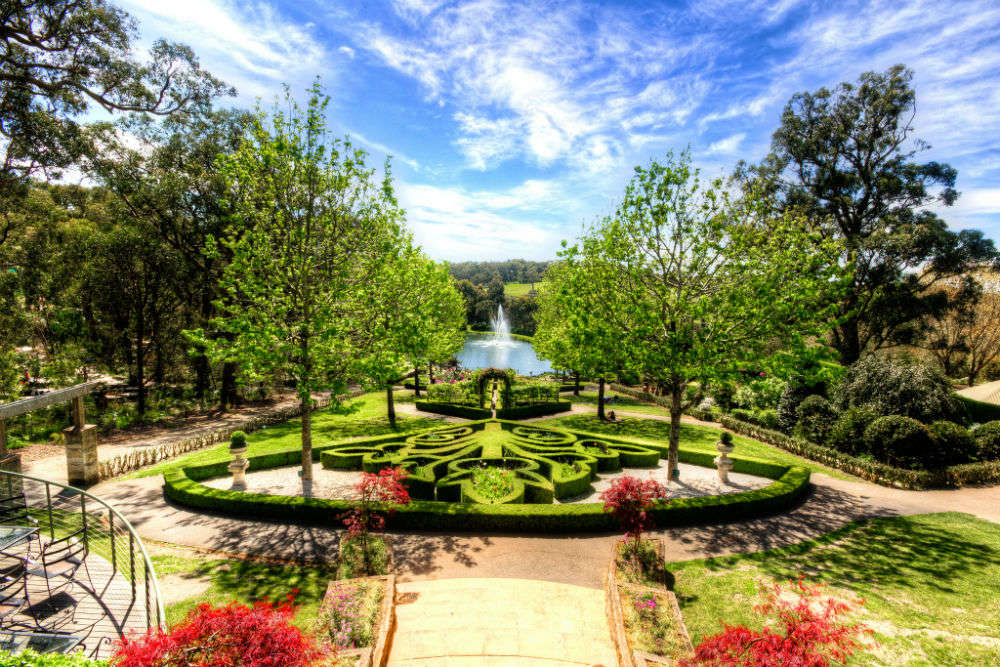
{"x": 513, "y": 125}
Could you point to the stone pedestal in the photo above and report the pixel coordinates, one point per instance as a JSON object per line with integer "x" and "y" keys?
{"x": 238, "y": 466}
{"x": 81, "y": 455}
{"x": 722, "y": 462}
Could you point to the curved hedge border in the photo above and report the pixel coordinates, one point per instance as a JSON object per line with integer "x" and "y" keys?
{"x": 470, "y": 412}
{"x": 791, "y": 482}
{"x": 987, "y": 472}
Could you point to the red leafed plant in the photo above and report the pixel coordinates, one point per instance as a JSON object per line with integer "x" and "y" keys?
{"x": 629, "y": 500}
{"x": 378, "y": 495}
{"x": 806, "y": 628}
{"x": 235, "y": 634}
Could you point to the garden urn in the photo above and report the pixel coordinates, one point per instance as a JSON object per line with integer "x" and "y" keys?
{"x": 238, "y": 466}
{"x": 722, "y": 462}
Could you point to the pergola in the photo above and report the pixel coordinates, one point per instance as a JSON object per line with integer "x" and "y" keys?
{"x": 81, "y": 440}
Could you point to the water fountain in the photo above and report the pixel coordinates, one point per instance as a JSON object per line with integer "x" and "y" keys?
{"x": 501, "y": 328}
{"x": 499, "y": 350}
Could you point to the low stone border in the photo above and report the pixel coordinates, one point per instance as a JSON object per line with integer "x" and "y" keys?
{"x": 140, "y": 458}
{"x": 377, "y": 654}
{"x": 628, "y": 657}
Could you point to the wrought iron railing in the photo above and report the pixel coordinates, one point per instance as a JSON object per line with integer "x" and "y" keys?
{"x": 121, "y": 576}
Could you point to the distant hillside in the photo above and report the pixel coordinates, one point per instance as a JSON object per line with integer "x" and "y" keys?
{"x": 510, "y": 271}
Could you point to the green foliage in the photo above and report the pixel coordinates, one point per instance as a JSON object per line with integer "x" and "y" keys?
{"x": 354, "y": 563}
{"x": 988, "y": 441}
{"x": 796, "y": 391}
{"x": 899, "y": 388}
{"x": 900, "y": 441}
{"x": 815, "y": 419}
{"x": 492, "y": 483}
{"x": 848, "y": 432}
{"x": 979, "y": 411}
{"x": 846, "y": 159}
{"x": 955, "y": 445}
{"x": 237, "y": 440}
{"x": 30, "y": 658}
{"x": 454, "y": 409}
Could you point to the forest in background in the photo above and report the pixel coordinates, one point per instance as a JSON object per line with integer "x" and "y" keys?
{"x": 481, "y": 285}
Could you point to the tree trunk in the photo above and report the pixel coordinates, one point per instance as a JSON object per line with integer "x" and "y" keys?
{"x": 416, "y": 382}
{"x": 600, "y": 399}
{"x": 390, "y": 406}
{"x": 202, "y": 371}
{"x": 676, "y": 398}
{"x": 227, "y": 393}
{"x": 305, "y": 403}
{"x": 140, "y": 366}
{"x": 576, "y": 383}
{"x": 430, "y": 372}
{"x": 848, "y": 341}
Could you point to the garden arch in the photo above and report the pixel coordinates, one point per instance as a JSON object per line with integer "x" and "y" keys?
{"x": 494, "y": 374}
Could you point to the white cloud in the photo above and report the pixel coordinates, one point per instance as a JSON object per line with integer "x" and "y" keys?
{"x": 728, "y": 145}
{"x": 347, "y": 51}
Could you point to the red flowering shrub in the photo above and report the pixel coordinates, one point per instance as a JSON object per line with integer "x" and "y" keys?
{"x": 808, "y": 631}
{"x": 378, "y": 495}
{"x": 629, "y": 500}
{"x": 258, "y": 636}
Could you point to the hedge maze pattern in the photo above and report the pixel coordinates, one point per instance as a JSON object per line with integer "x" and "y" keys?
{"x": 547, "y": 464}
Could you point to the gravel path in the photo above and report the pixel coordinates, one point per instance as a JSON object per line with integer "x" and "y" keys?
{"x": 339, "y": 484}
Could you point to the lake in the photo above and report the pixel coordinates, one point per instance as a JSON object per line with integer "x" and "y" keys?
{"x": 482, "y": 351}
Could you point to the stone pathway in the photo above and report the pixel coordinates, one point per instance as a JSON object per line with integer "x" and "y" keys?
{"x": 987, "y": 393}
{"x": 500, "y": 622}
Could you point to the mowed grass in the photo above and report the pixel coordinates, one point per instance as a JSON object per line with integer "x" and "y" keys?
{"x": 360, "y": 417}
{"x": 519, "y": 289}
{"x": 930, "y": 585}
{"x": 244, "y": 581}
{"x": 701, "y": 438}
{"x": 621, "y": 403}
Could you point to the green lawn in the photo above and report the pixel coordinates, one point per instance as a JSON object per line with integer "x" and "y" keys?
{"x": 621, "y": 403}
{"x": 360, "y": 417}
{"x": 692, "y": 437}
{"x": 929, "y": 583}
{"x": 518, "y": 289}
{"x": 245, "y": 581}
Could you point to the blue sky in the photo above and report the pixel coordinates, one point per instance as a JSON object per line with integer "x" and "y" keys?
{"x": 514, "y": 124}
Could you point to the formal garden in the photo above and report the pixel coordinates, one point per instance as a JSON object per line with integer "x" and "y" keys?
{"x": 743, "y": 420}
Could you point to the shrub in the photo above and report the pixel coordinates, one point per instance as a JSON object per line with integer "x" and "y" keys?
{"x": 815, "y": 419}
{"x": 900, "y": 441}
{"x": 796, "y": 391}
{"x": 384, "y": 490}
{"x": 955, "y": 444}
{"x": 258, "y": 636}
{"x": 897, "y": 388}
{"x": 237, "y": 440}
{"x": 30, "y": 658}
{"x": 630, "y": 499}
{"x": 805, "y": 627}
{"x": 848, "y": 432}
{"x": 988, "y": 441}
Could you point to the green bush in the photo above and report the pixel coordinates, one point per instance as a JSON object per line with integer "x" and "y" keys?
{"x": 454, "y": 410}
{"x": 848, "y": 432}
{"x": 535, "y": 410}
{"x": 796, "y": 391}
{"x": 815, "y": 419}
{"x": 237, "y": 440}
{"x": 955, "y": 445}
{"x": 988, "y": 441}
{"x": 890, "y": 387}
{"x": 901, "y": 441}
{"x": 979, "y": 411}
{"x": 30, "y": 658}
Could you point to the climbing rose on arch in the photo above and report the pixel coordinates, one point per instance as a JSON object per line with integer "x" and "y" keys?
{"x": 805, "y": 628}
{"x": 235, "y": 634}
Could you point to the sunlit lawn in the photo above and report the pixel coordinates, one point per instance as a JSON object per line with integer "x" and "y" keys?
{"x": 621, "y": 403}
{"x": 519, "y": 289}
{"x": 692, "y": 437}
{"x": 930, "y": 585}
{"x": 363, "y": 416}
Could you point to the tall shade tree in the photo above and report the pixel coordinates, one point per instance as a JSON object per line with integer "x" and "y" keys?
{"x": 696, "y": 283}
{"x": 966, "y": 339}
{"x": 412, "y": 314}
{"x": 847, "y": 160}
{"x": 312, "y": 227}
{"x": 575, "y": 330}
{"x": 60, "y": 58}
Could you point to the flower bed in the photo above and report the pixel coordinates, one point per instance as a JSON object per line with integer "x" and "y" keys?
{"x": 356, "y": 619}
{"x": 493, "y": 483}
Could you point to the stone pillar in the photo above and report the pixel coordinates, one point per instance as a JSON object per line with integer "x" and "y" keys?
{"x": 81, "y": 455}
{"x": 722, "y": 462}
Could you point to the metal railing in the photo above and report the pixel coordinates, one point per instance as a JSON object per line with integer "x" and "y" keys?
{"x": 122, "y": 579}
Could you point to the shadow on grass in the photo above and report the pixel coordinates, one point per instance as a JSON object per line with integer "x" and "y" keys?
{"x": 636, "y": 427}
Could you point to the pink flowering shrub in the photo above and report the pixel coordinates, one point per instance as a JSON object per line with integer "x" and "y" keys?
{"x": 345, "y": 621}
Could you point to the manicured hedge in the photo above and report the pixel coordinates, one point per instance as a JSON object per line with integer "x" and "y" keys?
{"x": 30, "y": 658}
{"x": 987, "y": 472}
{"x": 790, "y": 483}
{"x": 536, "y": 410}
{"x": 464, "y": 411}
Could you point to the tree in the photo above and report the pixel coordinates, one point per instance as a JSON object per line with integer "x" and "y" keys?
{"x": 168, "y": 181}
{"x": 846, "y": 160}
{"x": 311, "y": 230}
{"x": 695, "y": 283}
{"x": 966, "y": 338}
{"x": 575, "y": 330}
{"x": 377, "y": 494}
{"x": 630, "y": 499}
{"x": 413, "y": 314}
{"x": 62, "y": 56}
